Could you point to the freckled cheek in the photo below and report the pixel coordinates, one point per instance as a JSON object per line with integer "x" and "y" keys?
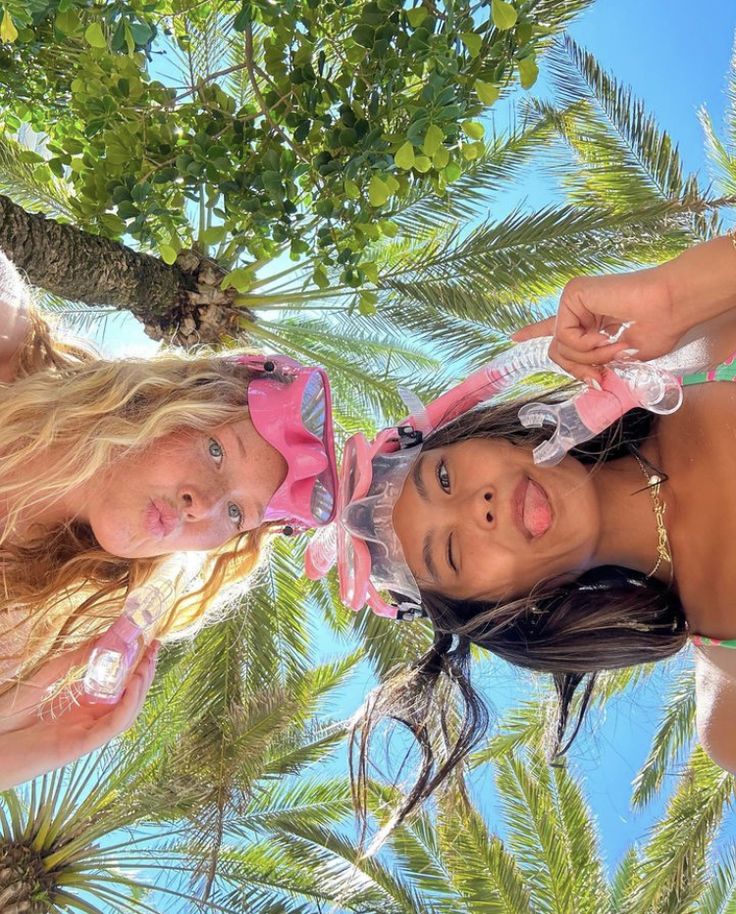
{"x": 210, "y": 535}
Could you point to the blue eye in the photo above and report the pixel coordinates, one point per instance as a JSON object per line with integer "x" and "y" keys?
{"x": 235, "y": 514}
{"x": 215, "y": 449}
{"x": 443, "y": 477}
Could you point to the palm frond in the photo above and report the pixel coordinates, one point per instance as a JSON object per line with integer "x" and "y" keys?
{"x": 579, "y": 837}
{"x": 527, "y": 724}
{"x": 556, "y": 15}
{"x": 674, "y": 736}
{"x": 526, "y": 795}
{"x": 624, "y": 877}
{"x": 482, "y": 871}
{"x": 529, "y": 255}
{"x": 629, "y": 161}
{"x": 31, "y": 187}
{"x": 719, "y": 896}
{"x": 731, "y": 95}
{"x": 673, "y": 868}
{"x": 470, "y": 197}
{"x": 356, "y": 880}
{"x": 721, "y": 158}
{"x": 278, "y": 804}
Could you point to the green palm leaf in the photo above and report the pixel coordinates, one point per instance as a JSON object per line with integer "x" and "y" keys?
{"x": 674, "y": 737}
{"x": 720, "y": 894}
{"x": 629, "y": 160}
{"x": 482, "y": 871}
{"x": 526, "y": 795}
{"x": 30, "y": 184}
{"x": 722, "y": 158}
{"x": 673, "y": 869}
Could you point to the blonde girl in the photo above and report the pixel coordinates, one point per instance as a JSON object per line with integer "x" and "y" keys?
{"x": 106, "y": 468}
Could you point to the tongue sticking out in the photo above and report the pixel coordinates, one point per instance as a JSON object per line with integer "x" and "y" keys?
{"x": 537, "y": 514}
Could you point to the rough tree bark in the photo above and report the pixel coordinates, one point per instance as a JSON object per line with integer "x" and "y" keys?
{"x": 183, "y": 303}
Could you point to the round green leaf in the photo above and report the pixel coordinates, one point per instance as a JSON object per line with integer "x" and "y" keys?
{"x": 352, "y": 191}
{"x": 8, "y": 31}
{"x": 67, "y": 22}
{"x": 214, "y": 235}
{"x": 240, "y": 279}
{"x": 487, "y": 92}
{"x": 378, "y": 192}
{"x": 472, "y": 41}
{"x": 472, "y": 151}
{"x": 452, "y": 172}
{"x": 473, "y": 129}
{"x": 321, "y": 280}
{"x": 168, "y": 254}
{"x": 367, "y": 303}
{"x": 423, "y": 164}
{"x": 504, "y": 15}
{"x": 370, "y": 270}
{"x": 441, "y": 157}
{"x": 432, "y": 139}
{"x": 404, "y": 156}
{"x": 392, "y": 184}
{"x": 94, "y": 35}
{"x": 528, "y": 71}
{"x": 417, "y": 16}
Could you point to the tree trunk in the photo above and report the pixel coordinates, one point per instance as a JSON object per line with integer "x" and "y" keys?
{"x": 182, "y": 303}
{"x": 25, "y": 885}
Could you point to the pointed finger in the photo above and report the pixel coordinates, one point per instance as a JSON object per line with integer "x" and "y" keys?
{"x": 598, "y": 356}
{"x": 544, "y": 327}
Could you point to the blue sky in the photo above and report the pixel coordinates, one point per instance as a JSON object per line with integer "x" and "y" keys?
{"x": 675, "y": 54}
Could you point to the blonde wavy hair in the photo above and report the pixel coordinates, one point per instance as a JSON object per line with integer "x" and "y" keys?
{"x": 62, "y": 585}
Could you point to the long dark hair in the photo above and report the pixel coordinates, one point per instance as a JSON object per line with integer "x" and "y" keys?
{"x": 608, "y": 618}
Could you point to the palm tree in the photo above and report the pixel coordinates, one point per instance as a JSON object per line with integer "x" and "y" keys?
{"x": 218, "y": 762}
{"x": 202, "y": 781}
{"x": 541, "y": 857}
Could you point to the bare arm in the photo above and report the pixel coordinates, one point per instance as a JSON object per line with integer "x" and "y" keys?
{"x": 701, "y": 282}
{"x": 655, "y": 307}
{"x": 31, "y": 745}
{"x": 715, "y": 685}
{"x": 13, "y": 317}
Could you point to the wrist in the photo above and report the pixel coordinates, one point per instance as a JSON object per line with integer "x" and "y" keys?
{"x": 701, "y": 282}
{"x": 676, "y": 309}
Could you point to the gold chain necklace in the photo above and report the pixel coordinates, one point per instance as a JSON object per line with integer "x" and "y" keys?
{"x": 654, "y": 482}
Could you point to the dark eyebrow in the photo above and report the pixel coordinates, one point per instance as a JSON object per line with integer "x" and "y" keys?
{"x": 416, "y": 476}
{"x": 428, "y": 559}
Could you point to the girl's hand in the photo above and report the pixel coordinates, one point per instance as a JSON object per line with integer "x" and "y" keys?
{"x": 634, "y": 309}
{"x": 32, "y": 744}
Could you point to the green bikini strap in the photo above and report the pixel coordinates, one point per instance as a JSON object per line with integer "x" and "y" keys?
{"x": 703, "y": 641}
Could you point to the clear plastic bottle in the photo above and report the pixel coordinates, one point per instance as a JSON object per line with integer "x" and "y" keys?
{"x": 118, "y": 650}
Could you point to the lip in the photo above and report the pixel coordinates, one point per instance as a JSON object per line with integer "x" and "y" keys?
{"x": 160, "y": 518}
{"x": 518, "y": 502}
{"x": 517, "y": 505}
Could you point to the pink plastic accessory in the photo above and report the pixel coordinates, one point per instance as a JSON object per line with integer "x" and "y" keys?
{"x": 117, "y": 652}
{"x": 363, "y": 543}
{"x": 291, "y": 408}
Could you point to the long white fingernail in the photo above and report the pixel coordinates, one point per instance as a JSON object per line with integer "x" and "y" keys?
{"x": 627, "y": 353}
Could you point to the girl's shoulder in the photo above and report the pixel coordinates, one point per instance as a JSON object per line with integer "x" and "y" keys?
{"x": 27, "y": 343}
{"x": 14, "y": 317}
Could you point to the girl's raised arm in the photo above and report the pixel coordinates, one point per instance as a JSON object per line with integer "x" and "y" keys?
{"x": 642, "y": 314}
